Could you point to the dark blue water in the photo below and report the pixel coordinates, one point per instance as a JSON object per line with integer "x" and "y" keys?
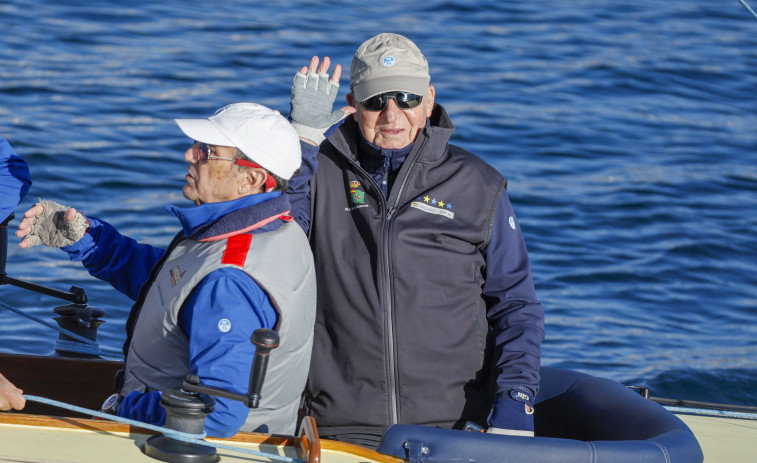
{"x": 627, "y": 129}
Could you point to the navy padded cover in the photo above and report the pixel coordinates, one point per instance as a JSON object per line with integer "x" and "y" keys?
{"x": 579, "y": 418}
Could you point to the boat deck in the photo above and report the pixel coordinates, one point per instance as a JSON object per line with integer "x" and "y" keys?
{"x": 31, "y": 438}
{"x": 724, "y": 439}
{"x": 37, "y": 439}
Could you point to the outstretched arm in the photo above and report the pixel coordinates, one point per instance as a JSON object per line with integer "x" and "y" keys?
{"x": 104, "y": 252}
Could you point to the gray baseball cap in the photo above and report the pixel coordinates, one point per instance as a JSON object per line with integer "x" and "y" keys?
{"x": 388, "y": 63}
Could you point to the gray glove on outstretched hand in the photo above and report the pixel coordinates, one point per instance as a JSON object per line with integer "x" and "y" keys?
{"x": 313, "y": 96}
{"x": 51, "y": 228}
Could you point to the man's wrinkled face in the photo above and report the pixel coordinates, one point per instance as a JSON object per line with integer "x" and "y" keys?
{"x": 393, "y": 128}
{"x": 214, "y": 180}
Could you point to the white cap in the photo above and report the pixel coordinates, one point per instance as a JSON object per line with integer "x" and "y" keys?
{"x": 262, "y": 134}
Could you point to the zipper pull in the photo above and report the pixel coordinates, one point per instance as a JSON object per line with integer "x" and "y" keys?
{"x": 387, "y": 164}
{"x": 391, "y": 212}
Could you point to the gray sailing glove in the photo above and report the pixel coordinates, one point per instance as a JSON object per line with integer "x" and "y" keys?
{"x": 313, "y": 98}
{"x": 51, "y": 229}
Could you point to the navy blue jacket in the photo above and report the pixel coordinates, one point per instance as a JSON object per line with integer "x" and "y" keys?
{"x": 426, "y": 304}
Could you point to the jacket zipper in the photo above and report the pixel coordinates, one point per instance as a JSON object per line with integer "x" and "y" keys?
{"x": 385, "y": 178}
{"x": 393, "y": 208}
{"x": 385, "y": 272}
{"x": 385, "y": 275}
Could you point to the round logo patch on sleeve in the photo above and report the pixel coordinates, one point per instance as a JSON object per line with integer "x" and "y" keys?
{"x": 224, "y": 325}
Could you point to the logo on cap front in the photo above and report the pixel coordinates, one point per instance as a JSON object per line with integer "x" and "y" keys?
{"x": 388, "y": 61}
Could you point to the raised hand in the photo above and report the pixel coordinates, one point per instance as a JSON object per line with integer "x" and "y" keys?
{"x": 313, "y": 96}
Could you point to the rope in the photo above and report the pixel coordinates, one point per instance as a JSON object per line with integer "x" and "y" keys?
{"x": 168, "y": 432}
{"x": 95, "y": 347}
{"x": 64, "y": 345}
{"x": 711, "y": 412}
{"x": 748, "y": 8}
{"x": 172, "y": 433}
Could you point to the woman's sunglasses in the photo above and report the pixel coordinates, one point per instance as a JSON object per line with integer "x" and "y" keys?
{"x": 404, "y": 100}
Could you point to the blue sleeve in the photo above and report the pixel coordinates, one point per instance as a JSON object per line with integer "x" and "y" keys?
{"x": 219, "y": 319}
{"x": 144, "y": 407}
{"x": 515, "y": 314}
{"x": 14, "y": 179}
{"x": 299, "y": 186}
{"x": 115, "y": 258}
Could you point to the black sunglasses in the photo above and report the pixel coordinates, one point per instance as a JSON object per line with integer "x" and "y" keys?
{"x": 404, "y": 100}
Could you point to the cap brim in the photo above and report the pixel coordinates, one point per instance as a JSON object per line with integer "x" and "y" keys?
{"x": 204, "y": 131}
{"x": 369, "y": 88}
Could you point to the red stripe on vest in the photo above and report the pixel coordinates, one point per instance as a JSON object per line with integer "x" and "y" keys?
{"x": 236, "y": 250}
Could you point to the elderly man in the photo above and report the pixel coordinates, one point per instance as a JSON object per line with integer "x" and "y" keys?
{"x": 238, "y": 264}
{"x": 427, "y": 312}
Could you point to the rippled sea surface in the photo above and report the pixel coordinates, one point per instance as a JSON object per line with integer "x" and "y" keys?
{"x": 627, "y": 130}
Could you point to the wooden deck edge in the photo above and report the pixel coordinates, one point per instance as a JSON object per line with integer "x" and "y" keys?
{"x": 19, "y": 419}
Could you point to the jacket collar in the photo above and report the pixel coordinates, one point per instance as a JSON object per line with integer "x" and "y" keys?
{"x": 215, "y": 221}
{"x": 372, "y": 157}
{"x": 436, "y": 135}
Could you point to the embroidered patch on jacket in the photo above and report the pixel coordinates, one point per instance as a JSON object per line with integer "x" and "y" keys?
{"x": 176, "y": 275}
{"x": 357, "y": 196}
{"x": 433, "y": 206}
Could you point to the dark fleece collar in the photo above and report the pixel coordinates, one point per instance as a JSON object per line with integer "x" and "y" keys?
{"x": 266, "y": 216}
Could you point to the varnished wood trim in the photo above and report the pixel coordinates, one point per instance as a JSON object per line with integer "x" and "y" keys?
{"x": 309, "y": 443}
{"x": 244, "y": 437}
{"x": 357, "y": 450}
{"x": 70, "y": 423}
